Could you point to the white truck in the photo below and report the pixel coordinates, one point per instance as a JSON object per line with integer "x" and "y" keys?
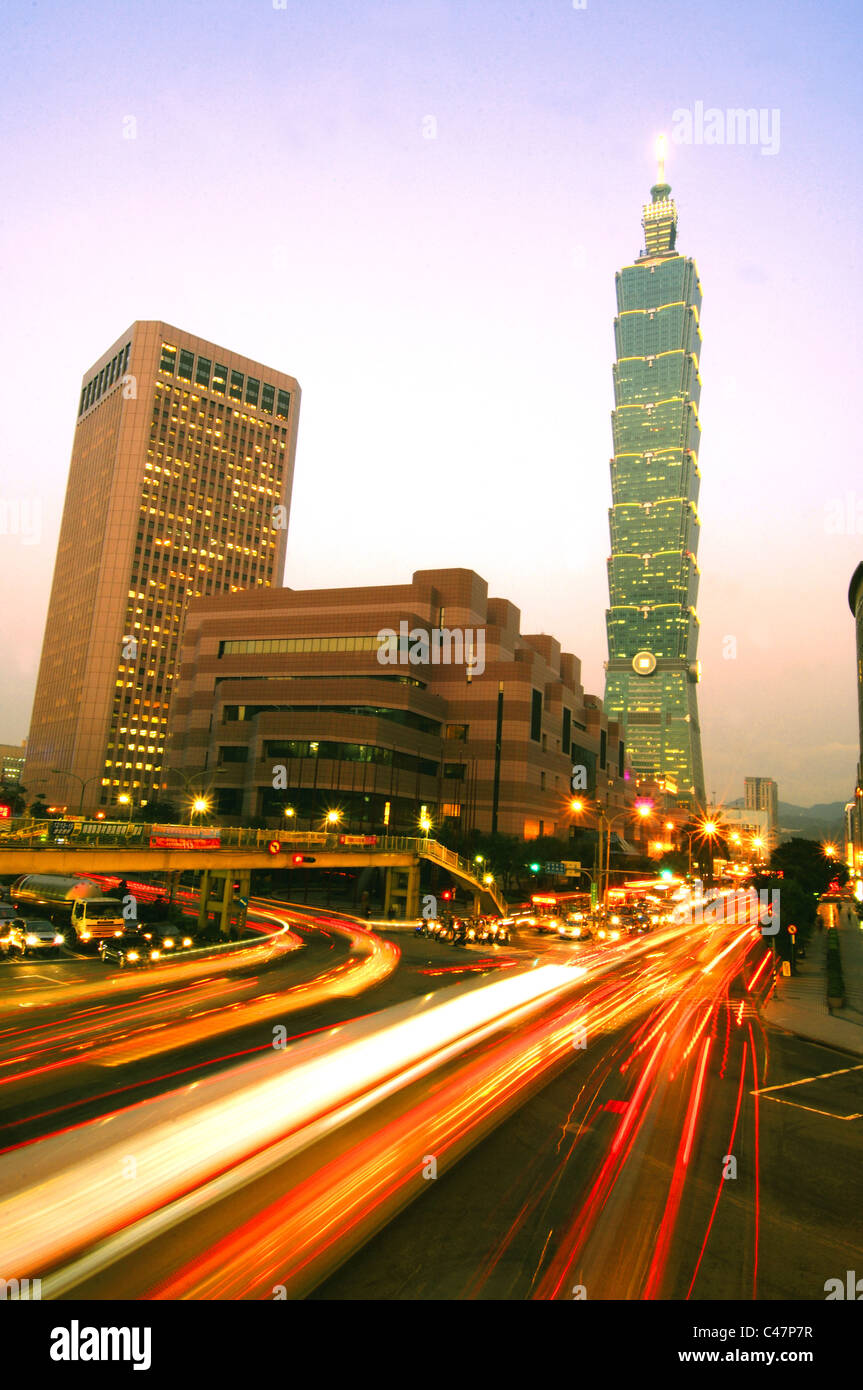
{"x": 73, "y": 901}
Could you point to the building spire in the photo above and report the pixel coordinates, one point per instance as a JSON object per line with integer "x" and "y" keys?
{"x": 660, "y": 190}
{"x": 659, "y": 218}
{"x": 661, "y": 151}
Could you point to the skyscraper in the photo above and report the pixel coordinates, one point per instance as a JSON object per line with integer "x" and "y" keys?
{"x": 179, "y": 487}
{"x": 762, "y": 794}
{"x": 652, "y": 671}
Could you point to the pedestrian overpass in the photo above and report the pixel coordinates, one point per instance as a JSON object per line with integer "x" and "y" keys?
{"x": 238, "y": 851}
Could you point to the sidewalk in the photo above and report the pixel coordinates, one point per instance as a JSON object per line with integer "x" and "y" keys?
{"x": 799, "y": 1004}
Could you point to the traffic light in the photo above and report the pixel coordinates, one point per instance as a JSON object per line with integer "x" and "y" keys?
{"x": 534, "y": 868}
{"x": 303, "y": 859}
{"x": 273, "y": 847}
{"x": 446, "y": 895}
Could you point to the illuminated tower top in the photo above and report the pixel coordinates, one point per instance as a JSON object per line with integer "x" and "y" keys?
{"x": 659, "y": 216}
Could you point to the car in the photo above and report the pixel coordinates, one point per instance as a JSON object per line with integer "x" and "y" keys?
{"x": 167, "y": 941}
{"x": 130, "y": 948}
{"x": 7, "y": 912}
{"x": 25, "y": 936}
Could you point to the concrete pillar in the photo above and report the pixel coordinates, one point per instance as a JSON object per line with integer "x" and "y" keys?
{"x": 203, "y": 900}
{"x": 388, "y": 891}
{"x": 412, "y": 891}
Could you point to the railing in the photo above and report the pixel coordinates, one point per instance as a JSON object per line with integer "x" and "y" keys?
{"x": 41, "y": 835}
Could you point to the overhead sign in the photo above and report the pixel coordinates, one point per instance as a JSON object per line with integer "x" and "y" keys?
{"x": 5, "y": 812}
{"x": 358, "y": 839}
{"x": 571, "y": 866}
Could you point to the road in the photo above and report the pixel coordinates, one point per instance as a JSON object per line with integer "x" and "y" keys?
{"x": 548, "y": 1121}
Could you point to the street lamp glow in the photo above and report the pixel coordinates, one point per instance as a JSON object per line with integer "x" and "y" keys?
{"x": 644, "y": 809}
{"x": 124, "y": 800}
{"x": 333, "y": 817}
{"x": 831, "y": 851}
{"x": 289, "y": 811}
{"x": 576, "y": 805}
{"x": 425, "y": 824}
{"x": 200, "y": 804}
{"x": 488, "y": 878}
{"x": 709, "y": 827}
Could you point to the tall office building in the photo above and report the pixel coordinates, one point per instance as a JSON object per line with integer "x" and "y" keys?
{"x": 179, "y": 488}
{"x": 652, "y": 624}
{"x": 762, "y": 794}
{"x": 854, "y": 818}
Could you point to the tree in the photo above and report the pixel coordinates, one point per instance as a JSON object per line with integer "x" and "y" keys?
{"x": 12, "y": 794}
{"x": 805, "y": 862}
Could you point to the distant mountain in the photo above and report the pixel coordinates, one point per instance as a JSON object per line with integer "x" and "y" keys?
{"x": 822, "y": 820}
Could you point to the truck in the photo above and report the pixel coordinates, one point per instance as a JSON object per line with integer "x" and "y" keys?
{"x": 76, "y": 903}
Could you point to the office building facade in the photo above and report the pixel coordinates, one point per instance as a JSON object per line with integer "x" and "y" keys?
{"x": 179, "y": 487}
{"x": 762, "y": 794}
{"x": 652, "y": 670}
{"x": 284, "y": 704}
{"x": 854, "y": 820}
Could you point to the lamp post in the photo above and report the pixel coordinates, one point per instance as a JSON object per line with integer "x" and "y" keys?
{"x": 60, "y": 772}
{"x": 644, "y": 810}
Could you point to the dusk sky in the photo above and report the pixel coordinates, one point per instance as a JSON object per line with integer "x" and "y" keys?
{"x": 417, "y": 208}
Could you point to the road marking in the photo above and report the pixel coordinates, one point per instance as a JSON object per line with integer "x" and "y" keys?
{"x": 822, "y": 1076}
{"x": 811, "y": 1108}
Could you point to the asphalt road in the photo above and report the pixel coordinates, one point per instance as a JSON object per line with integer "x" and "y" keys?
{"x": 485, "y": 1229}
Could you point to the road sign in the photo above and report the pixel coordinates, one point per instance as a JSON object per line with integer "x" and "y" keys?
{"x": 554, "y": 868}
{"x": 244, "y": 902}
{"x": 786, "y": 967}
{"x": 571, "y": 866}
{"x": 792, "y": 931}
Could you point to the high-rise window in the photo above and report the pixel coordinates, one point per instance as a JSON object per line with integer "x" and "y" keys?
{"x": 536, "y": 715}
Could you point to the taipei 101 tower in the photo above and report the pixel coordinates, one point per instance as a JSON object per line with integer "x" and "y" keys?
{"x": 652, "y": 670}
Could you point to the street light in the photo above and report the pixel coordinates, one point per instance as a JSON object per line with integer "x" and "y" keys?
{"x": 60, "y": 772}
{"x": 289, "y": 811}
{"x": 198, "y": 807}
{"x": 124, "y": 800}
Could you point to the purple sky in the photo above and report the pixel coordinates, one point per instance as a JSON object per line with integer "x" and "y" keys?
{"x": 447, "y": 303}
